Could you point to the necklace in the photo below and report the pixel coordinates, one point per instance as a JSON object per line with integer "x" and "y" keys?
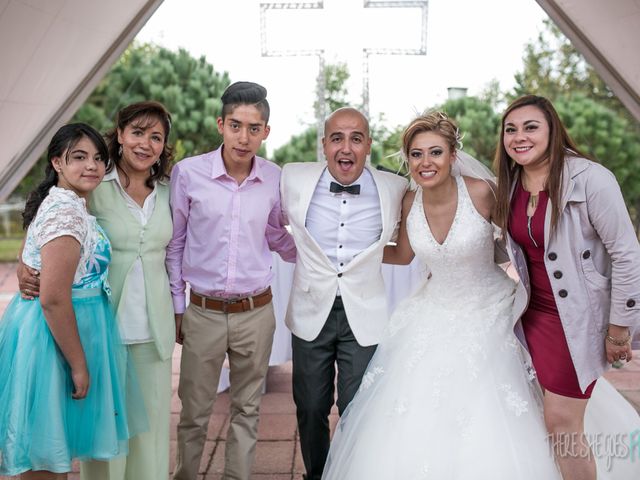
{"x": 532, "y": 204}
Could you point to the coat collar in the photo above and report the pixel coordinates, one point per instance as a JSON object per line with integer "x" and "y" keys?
{"x": 573, "y": 166}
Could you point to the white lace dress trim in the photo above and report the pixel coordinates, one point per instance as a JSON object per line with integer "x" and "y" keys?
{"x": 62, "y": 213}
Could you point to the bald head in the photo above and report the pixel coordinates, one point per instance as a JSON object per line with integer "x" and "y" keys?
{"x": 348, "y": 110}
{"x": 346, "y": 144}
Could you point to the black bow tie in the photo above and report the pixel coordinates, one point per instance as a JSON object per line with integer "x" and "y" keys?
{"x": 337, "y": 188}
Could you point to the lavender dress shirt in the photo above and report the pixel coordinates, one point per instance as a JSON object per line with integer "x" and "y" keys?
{"x": 223, "y": 232}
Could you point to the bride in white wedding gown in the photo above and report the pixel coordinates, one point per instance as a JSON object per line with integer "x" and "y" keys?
{"x": 447, "y": 395}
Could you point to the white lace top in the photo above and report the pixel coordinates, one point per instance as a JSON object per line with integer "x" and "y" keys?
{"x": 64, "y": 213}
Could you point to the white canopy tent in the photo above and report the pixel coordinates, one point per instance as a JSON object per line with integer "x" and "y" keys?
{"x": 607, "y": 33}
{"x": 54, "y": 52}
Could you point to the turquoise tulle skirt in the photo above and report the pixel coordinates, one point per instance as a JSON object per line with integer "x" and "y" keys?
{"x": 41, "y": 426}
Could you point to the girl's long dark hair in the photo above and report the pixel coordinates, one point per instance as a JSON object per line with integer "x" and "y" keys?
{"x": 63, "y": 141}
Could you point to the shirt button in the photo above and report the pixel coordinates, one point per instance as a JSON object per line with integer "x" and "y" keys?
{"x": 339, "y": 275}
{"x": 339, "y": 246}
{"x": 557, "y": 274}
{"x": 631, "y": 303}
{"x": 344, "y": 201}
{"x": 552, "y": 256}
{"x": 342, "y": 264}
{"x": 563, "y": 293}
{"x": 586, "y": 254}
{"x": 342, "y": 224}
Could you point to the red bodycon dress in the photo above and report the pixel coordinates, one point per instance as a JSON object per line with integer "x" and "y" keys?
{"x": 541, "y": 322}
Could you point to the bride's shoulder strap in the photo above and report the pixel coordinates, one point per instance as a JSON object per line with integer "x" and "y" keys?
{"x": 481, "y": 194}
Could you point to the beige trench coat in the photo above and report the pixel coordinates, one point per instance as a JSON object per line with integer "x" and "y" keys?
{"x": 593, "y": 263}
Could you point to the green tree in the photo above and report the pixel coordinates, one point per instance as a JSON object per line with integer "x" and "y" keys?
{"x": 478, "y": 124}
{"x": 189, "y": 87}
{"x": 553, "y": 68}
{"x": 610, "y": 138}
{"x": 302, "y": 147}
{"x": 335, "y": 86}
{"x": 385, "y": 151}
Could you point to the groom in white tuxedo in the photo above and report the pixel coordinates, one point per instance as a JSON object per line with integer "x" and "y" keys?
{"x": 342, "y": 213}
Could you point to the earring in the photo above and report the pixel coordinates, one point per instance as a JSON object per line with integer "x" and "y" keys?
{"x": 120, "y": 151}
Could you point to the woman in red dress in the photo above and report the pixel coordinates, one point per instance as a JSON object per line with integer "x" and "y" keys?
{"x": 573, "y": 244}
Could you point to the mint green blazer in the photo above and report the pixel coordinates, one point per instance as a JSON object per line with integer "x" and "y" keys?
{"x": 130, "y": 240}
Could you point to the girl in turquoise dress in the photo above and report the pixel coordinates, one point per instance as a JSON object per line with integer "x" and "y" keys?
{"x": 62, "y": 367}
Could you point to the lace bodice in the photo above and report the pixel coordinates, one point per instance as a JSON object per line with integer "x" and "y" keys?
{"x": 63, "y": 213}
{"x": 464, "y": 262}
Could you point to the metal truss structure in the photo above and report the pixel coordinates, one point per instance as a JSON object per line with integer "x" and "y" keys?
{"x": 320, "y": 52}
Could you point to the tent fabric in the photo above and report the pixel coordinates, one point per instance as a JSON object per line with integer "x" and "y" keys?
{"x": 607, "y": 33}
{"x": 53, "y": 54}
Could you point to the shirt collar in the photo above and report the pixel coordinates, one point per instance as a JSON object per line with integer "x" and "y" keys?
{"x": 113, "y": 176}
{"x": 219, "y": 170}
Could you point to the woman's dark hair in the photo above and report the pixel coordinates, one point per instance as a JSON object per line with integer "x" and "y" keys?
{"x": 245, "y": 93}
{"x": 61, "y": 143}
{"x": 507, "y": 170}
{"x": 143, "y": 115}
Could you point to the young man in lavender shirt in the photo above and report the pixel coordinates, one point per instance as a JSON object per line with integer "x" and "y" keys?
{"x": 226, "y": 219}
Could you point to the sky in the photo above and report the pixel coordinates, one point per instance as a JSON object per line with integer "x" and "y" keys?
{"x": 469, "y": 43}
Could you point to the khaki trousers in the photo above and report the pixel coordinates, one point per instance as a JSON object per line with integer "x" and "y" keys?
{"x": 208, "y": 335}
{"x": 148, "y": 457}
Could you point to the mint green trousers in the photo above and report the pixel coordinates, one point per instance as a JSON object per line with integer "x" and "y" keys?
{"x": 148, "y": 457}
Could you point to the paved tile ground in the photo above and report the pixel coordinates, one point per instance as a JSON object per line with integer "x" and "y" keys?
{"x": 278, "y": 452}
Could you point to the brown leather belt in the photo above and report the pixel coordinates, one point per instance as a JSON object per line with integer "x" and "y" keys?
{"x": 235, "y": 305}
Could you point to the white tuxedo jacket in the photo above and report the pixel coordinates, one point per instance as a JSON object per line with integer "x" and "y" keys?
{"x": 316, "y": 280}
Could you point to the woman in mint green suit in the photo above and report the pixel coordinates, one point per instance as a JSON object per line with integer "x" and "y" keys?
{"x": 132, "y": 206}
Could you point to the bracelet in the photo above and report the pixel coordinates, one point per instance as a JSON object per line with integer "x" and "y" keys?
{"x": 617, "y": 341}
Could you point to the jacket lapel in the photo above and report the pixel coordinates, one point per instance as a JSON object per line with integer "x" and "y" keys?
{"x": 383, "y": 198}
{"x": 309, "y": 181}
{"x": 572, "y": 167}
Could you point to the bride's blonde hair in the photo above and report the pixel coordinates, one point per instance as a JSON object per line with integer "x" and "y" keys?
{"x": 437, "y": 122}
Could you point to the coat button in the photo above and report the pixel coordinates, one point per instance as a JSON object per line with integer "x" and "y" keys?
{"x": 552, "y": 256}
{"x": 339, "y": 275}
{"x": 631, "y": 303}
{"x": 586, "y": 254}
{"x": 557, "y": 274}
{"x": 563, "y": 293}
